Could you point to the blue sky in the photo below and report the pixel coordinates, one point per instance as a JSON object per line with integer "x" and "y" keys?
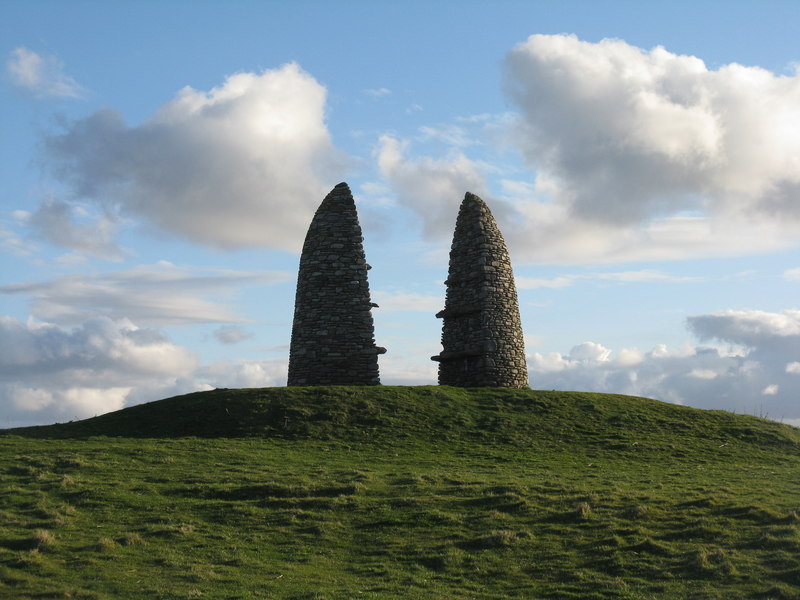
{"x": 160, "y": 163}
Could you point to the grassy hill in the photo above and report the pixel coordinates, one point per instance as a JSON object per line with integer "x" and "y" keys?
{"x": 401, "y": 492}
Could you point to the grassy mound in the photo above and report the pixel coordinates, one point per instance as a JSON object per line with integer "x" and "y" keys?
{"x": 397, "y": 492}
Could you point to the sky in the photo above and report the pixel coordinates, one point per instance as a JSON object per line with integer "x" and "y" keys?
{"x": 160, "y": 162}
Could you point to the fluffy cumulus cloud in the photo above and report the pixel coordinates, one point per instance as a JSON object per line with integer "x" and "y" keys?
{"x": 60, "y": 374}
{"x": 242, "y": 374}
{"x": 244, "y": 164}
{"x": 160, "y": 294}
{"x": 749, "y": 328}
{"x": 218, "y": 374}
{"x": 755, "y": 370}
{"x": 431, "y": 187}
{"x": 53, "y": 374}
{"x": 650, "y": 154}
{"x": 41, "y": 75}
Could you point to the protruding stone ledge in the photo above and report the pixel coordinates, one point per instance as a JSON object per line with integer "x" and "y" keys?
{"x": 448, "y": 356}
{"x": 373, "y": 350}
{"x": 459, "y": 311}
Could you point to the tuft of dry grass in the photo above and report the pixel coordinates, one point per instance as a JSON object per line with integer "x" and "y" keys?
{"x": 501, "y": 538}
{"x": 43, "y": 540}
{"x": 132, "y": 539}
{"x": 583, "y": 511}
{"x": 105, "y": 544}
{"x": 635, "y": 512}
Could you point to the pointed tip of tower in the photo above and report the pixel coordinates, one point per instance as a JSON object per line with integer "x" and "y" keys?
{"x": 339, "y": 198}
{"x": 340, "y": 189}
{"x": 473, "y": 202}
{"x": 473, "y": 207}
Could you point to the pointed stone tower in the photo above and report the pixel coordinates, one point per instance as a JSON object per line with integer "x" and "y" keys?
{"x": 332, "y": 333}
{"x": 481, "y": 335}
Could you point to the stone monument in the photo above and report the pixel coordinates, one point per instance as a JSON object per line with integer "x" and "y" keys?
{"x": 481, "y": 334}
{"x": 333, "y": 333}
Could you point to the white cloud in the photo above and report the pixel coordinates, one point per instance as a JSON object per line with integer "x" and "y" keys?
{"x": 63, "y": 224}
{"x": 104, "y": 365}
{"x": 244, "y": 164}
{"x": 87, "y": 351}
{"x": 431, "y": 187}
{"x": 41, "y": 75}
{"x": 452, "y": 135}
{"x": 648, "y": 131}
{"x": 31, "y": 399}
{"x": 375, "y": 194}
{"x": 590, "y": 353}
{"x": 88, "y": 370}
{"x": 242, "y": 374}
{"x": 792, "y": 274}
{"x": 378, "y": 92}
{"x": 13, "y": 243}
{"x": 755, "y": 374}
{"x": 70, "y": 403}
{"x": 748, "y": 328}
{"x": 703, "y": 373}
{"x": 641, "y": 276}
{"x": 232, "y": 334}
{"x": 532, "y": 283}
{"x": 543, "y": 231}
{"x": 649, "y": 154}
{"x": 158, "y": 294}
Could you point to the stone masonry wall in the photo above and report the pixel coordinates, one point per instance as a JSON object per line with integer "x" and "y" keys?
{"x": 481, "y": 334}
{"x": 332, "y": 333}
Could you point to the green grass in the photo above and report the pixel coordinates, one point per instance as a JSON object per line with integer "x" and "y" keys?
{"x": 401, "y": 493}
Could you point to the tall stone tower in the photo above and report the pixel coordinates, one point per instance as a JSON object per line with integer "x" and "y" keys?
{"x": 332, "y": 333}
{"x": 481, "y": 335}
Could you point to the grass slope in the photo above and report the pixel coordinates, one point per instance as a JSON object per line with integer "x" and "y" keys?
{"x": 395, "y": 492}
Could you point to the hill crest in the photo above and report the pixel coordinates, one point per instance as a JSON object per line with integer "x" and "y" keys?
{"x": 396, "y": 413}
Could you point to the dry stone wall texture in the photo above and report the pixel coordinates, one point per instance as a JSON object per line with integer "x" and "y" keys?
{"x": 481, "y": 334}
{"x": 333, "y": 333}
